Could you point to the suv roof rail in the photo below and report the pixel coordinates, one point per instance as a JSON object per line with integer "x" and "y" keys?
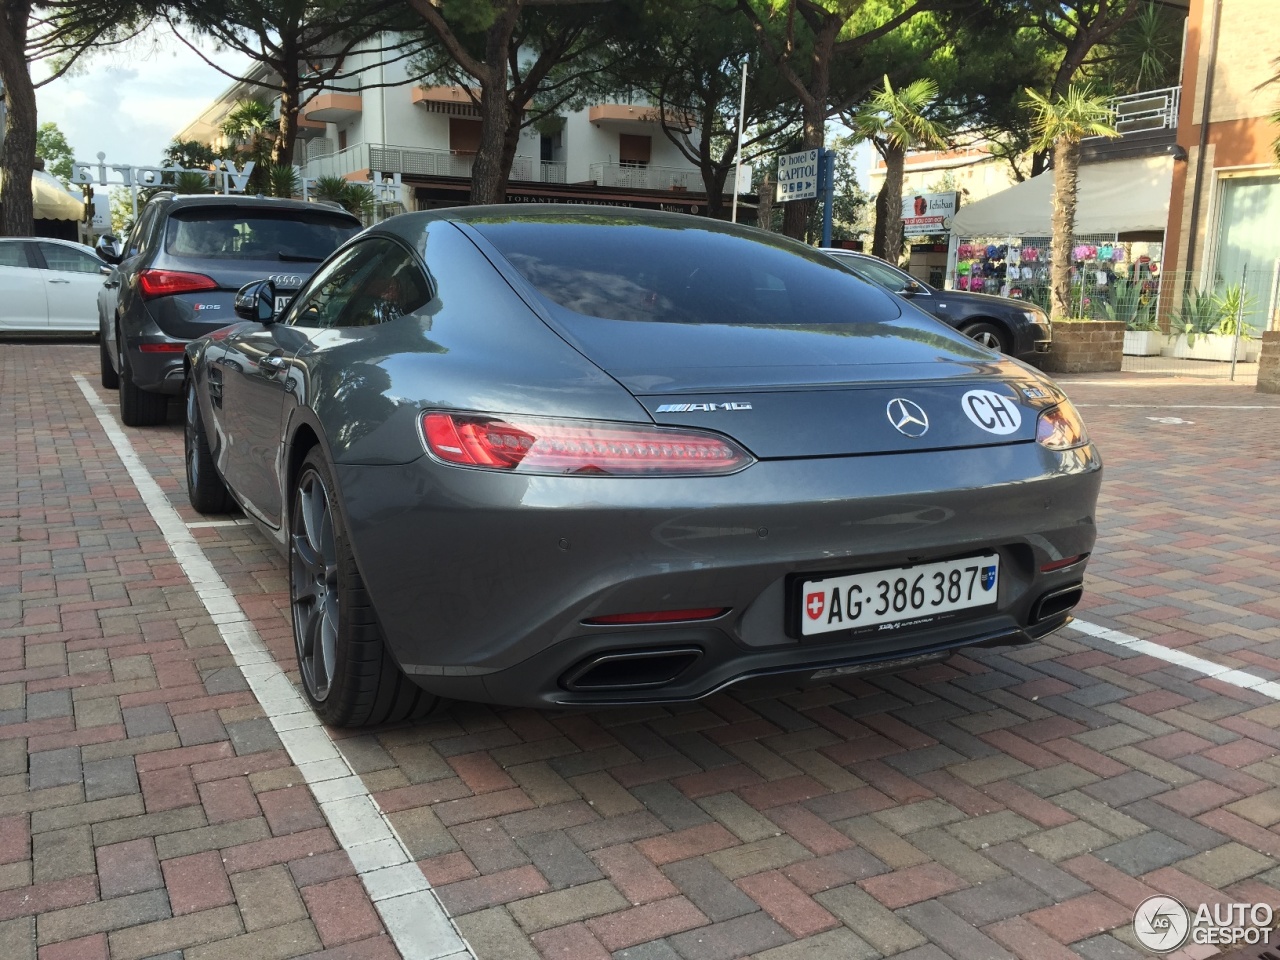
{"x": 163, "y": 195}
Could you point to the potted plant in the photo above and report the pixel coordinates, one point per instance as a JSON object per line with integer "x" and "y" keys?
{"x": 1235, "y": 304}
{"x": 1197, "y": 328}
{"x": 1133, "y": 307}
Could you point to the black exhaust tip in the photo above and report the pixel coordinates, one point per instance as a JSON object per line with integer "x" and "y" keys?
{"x": 1056, "y": 602}
{"x": 631, "y": 669}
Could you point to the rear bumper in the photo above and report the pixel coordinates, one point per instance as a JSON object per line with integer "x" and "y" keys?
{"x": 156, "y": 372}
{"x": 481, "y": 581}
{"x": 693, "y": 664}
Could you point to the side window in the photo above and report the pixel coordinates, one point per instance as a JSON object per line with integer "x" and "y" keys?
{"x": 141, "y": 228}
{"x": 373, "y": 282}
{"x": 67, "y": 259}
{"x": 393, "y": 287}
{"x": 13, "y": 255}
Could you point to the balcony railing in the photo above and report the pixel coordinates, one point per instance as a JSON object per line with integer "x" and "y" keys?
{"x": 646, "y": 177}
{"x": 1148, "y": 111}
{"x": 338, "y": 164}
{"x": 382, "y": 158}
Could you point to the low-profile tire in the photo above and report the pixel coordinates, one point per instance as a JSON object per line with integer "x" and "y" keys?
{"x": 138, "y": 407}
{"x": 205, "y": 489}
{"x": 110, "y": 379}
{"x": 348, "y": 675}
{"x": 989, "y": 335}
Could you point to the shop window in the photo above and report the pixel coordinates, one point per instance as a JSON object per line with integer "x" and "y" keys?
{"x": 634, "y": 150}
{"x": 464, "y": 136}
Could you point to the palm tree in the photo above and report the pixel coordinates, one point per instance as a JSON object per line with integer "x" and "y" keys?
{"x": 250, "y": 130}
{"x": 895, "y": 122}
{"x": 1062, "y": 124}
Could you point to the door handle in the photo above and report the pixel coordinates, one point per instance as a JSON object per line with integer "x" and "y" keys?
{"x": 59, "y": 281}
{"x": 273, "y": 363}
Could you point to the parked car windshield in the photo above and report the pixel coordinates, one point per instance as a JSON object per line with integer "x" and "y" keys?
{"x": 628, "y": 270}
{"x": 256, "y": 235}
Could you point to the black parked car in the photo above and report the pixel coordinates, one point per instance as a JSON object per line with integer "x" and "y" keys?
{"x": 177, "y": 278}
{"x": 1010, "y": 326}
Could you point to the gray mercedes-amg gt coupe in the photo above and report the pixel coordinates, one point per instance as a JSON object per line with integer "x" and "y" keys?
{"x": 549, "y": 456}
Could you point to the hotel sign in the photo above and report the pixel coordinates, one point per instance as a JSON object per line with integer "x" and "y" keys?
{"x": 234, "y": 178}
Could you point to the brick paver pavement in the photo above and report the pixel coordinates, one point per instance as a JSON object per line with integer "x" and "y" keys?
{"x": 1018, "y": 802}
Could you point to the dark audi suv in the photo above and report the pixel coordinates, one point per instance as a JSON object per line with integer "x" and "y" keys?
{"x": 177, "y": 278}
{"x": 1014, "y": 327}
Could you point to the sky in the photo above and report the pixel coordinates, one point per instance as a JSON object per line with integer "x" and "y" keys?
{"x": 130, "y": 105}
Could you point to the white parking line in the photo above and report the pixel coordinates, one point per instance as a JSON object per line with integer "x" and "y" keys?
{"x": 1238, "y": 678}
{"x": 198, "y": 524}
{"x": 411, "y": 912}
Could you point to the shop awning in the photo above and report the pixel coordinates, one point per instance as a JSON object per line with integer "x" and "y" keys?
{"x": 1120, "y": 196}
{"x": 50, "y": 200}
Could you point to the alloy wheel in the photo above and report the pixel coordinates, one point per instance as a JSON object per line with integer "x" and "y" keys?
{"x": 313, "y": 573}
{"x": 987, "y": 339}
{"x": 189, "y": 440}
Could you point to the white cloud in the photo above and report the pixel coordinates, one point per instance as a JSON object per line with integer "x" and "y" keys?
{"x": 131, "y": 104}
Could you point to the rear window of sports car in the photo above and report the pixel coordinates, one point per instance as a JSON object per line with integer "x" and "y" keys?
{"x": 660, "y": 273}
{"x": 232, "y": 234}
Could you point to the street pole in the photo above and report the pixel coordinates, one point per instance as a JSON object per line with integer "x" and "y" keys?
{"x": 827, "y": 182}
{"x": 1235, "y": 340}
{"x": 737, "y": 167}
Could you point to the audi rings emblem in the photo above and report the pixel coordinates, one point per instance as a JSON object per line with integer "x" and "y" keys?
{"x": 908, "y": 418}
{"x": 286, "y": 280}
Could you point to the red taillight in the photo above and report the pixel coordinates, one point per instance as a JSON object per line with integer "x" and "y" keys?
{"x": 165, "y": 283}
{"x": 658, "y": 616}
{"x": 535, "y": 445}
{"x": 1060, "y": 428}
{"x": 161, "y": 347}
{"x": 1061, "y": 564}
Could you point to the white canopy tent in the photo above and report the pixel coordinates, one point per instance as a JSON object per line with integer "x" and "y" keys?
{"x": 1116, "y": 197}
{"x": 1121, "y": 196}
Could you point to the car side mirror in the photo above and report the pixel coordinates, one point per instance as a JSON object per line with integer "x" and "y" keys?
{"x": 106, "y": 269}
{"x": 257, "y": 301}
{"x": 108, "y": 248}
{"x": 911, "y": 289}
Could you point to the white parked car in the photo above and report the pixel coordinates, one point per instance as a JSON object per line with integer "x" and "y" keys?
{"x": 48, "y": 285}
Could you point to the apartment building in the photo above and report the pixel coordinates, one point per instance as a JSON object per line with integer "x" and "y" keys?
{"x": 1225, "y": 200}
{"x": 383, "y": 121}
{"x": 971, "y": 170}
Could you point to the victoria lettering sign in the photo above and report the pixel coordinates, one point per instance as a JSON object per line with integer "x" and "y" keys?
{"x": 234, "y": 178}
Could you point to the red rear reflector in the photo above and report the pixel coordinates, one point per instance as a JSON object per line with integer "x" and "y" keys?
{"x": 1060, "y": 564}
{"x": 545, "y": 446}
{"x": 161, "y": 347}
{"x": 165, "y": 283}
{"x": 659, "y": 616}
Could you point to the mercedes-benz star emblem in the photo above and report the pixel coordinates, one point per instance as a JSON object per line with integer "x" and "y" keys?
{"x": 908, "y": 418}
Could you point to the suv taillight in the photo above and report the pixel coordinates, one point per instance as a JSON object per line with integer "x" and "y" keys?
{"x": 582, "y": 447}
{"x": 165, "y": 283}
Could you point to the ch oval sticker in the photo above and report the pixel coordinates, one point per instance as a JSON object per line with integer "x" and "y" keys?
{"x": 992, "y": 412}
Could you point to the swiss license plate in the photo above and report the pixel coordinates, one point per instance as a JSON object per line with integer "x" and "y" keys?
{"x": 919, "y": 593}
{"x": 282, "y": 301}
